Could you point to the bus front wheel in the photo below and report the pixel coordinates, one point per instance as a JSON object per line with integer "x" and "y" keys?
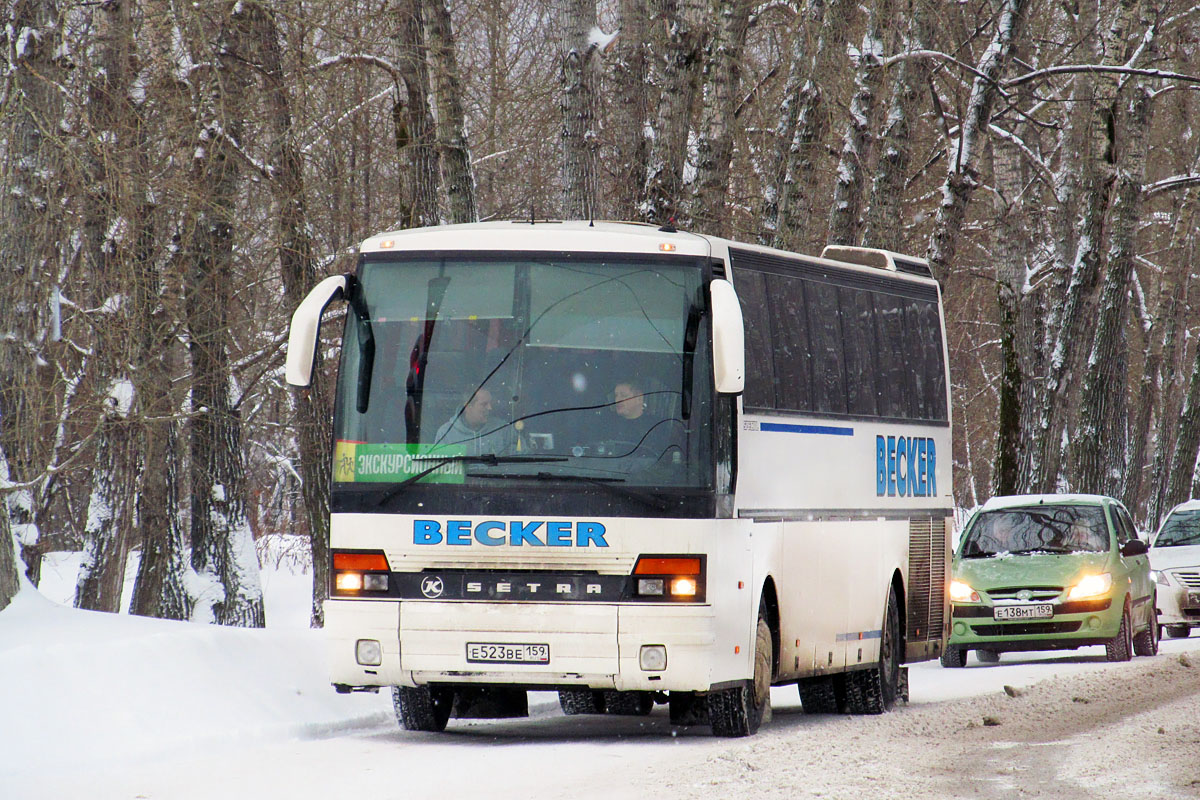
{"x": 423, "y": 708}
{"x": 740, "y": 710}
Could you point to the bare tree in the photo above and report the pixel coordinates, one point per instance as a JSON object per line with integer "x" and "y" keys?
{"x": 457, "y": 177}
{"x": 962, "y": 175}
{"x": 857, "y": 141}
{"x": 631, "y": 109}
{"x": 678, "y": 38}
{"x": 722, "y": 81}
{"x": 577, "y": 19}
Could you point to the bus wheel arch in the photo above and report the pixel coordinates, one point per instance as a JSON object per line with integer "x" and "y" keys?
{"x": 768, "y": 606}
{"x": 902, "y": 608}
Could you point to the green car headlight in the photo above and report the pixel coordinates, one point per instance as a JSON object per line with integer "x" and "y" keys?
{"x": 1091, "y": 586}
{"x": 962, "y": 593}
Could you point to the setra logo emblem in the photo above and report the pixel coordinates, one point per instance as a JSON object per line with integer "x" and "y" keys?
{"x": 432, "y": 586}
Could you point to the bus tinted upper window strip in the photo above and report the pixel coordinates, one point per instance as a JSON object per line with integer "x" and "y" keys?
{"x": 823, "y": 273}
{"x": 398, "y": 255}
{"x": 797, "y": 413}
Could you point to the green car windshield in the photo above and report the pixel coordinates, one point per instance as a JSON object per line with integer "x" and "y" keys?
{"x": 1036, "y": 530}
{"x": 1181, "y": 528}
{"x": 526, "y": 367}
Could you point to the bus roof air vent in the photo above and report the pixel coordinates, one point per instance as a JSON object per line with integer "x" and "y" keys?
{"x": 880, "y": 259}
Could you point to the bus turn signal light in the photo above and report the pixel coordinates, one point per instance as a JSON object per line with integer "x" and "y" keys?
{"x": 360, "y": 561}
{"x": 670, "y": 565}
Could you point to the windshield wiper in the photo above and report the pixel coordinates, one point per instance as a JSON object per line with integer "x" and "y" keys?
{"x": 1046, "y": 548}
{"x": 608, "y": 484}
{"x": 491, "y": 459}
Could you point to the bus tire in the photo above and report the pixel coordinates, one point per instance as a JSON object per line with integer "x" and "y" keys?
{"x": 954, "y": 659}
{"x": 628, "y": 704}
{"x": 424, "y": 708}
{"x": 580, "y": 701}
{"x": 874, "y": 690}
{"x": 740, "y": 710}
{"x": 819, "y": 695}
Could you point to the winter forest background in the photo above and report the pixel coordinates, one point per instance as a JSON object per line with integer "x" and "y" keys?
{"x": 176, "y": 176}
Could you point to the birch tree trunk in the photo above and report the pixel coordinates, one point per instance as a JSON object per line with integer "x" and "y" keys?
{"x": 962, "y": 177}
{"x": 298, "y": 272}
{"x": 1169, "y": 377}
{"x": 723, "y": 78}
{"x": 112, "y": 225}
{"x": 222, "y": 545}
{"x": 857, "y": 143}
{"x": 802, "y": 165}
{"x": 1100, "y": 438}
{"x": 451, "y": 124}
{"x": 631, "y": 109}
{"x": 1070, "y": 322}
{"x": 10, "y": 579}
{"x": 882, "y": 220}
{"x": 678, "y": 36}
{"x": 420, "y": 136}
{"x": 102, "y": 568}
{"x": 577, "y": 18}
{"x": 31, "y": 174}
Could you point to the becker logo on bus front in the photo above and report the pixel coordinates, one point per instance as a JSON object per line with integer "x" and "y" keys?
{"x": 515, "y": 533}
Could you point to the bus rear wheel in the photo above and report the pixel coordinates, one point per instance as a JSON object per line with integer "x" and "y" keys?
{"x": 874, "y": 690}
{"x": 740, "y": 710}
{"x": 423, "y": 708}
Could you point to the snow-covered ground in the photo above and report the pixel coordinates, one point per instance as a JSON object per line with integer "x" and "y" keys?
{"x": 98, "y": 705}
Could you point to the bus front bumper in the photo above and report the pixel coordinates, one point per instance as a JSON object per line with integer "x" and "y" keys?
{"x": 586, "y": 645}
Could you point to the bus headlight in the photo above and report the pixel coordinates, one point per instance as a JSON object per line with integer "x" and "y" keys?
{"x": 679, "y": 578}
{"x": 963, "y": 593}
{"x": 1091, "y": 586}
{"x": 355, "y": 572}
{"x": 653, "y": 658}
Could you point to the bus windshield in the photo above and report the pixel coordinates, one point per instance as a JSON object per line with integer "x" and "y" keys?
{"x": 486, "y": 371}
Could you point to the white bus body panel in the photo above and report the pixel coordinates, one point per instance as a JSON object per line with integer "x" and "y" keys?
{"x": 592, "y": 644}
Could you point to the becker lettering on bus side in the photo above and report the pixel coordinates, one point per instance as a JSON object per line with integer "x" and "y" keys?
{"x": 494, "y": 533}
{"x": 905, "y": 466}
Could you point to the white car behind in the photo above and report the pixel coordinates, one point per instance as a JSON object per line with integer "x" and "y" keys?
{"x": 1175, "y": 565}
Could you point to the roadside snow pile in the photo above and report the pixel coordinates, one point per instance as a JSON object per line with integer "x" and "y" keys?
{"x": 84, "y": 688}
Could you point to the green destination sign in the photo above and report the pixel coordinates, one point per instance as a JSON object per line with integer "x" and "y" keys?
{"x": 391, "y": 463}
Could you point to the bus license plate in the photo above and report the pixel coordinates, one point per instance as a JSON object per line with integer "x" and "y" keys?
{"x": 507, "y": 653}
{"x": 1039, "y": 611}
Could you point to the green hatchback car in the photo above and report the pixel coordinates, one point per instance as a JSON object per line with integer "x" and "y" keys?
{"x": 1051, "y": 572}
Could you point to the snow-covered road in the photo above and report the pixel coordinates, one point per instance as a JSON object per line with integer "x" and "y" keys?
{"x": 106, "y": 706}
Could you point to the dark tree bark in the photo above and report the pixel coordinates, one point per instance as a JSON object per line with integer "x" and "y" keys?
{"x": 447, "y": 92}
{"x": 631, "y": 109}
{"x": 577, "y": 18}
{"x": 222, "y": 545}
{"x": 414, "y": 122}
{"x": 298, "y": 272}
{"x": 32, "y": 165}
{"x": 962, "y": 177}
{"x": 678, "y": 38}
{"x": 882, "y": 219}
{"x": 723, "y": 79}
{"x": 857, "y": 141}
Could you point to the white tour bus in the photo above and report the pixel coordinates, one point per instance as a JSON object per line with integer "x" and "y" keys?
{"x": 632, "y": 465}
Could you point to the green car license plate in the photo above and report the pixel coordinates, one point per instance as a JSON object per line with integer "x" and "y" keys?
{"x": 1033, "y": 611}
